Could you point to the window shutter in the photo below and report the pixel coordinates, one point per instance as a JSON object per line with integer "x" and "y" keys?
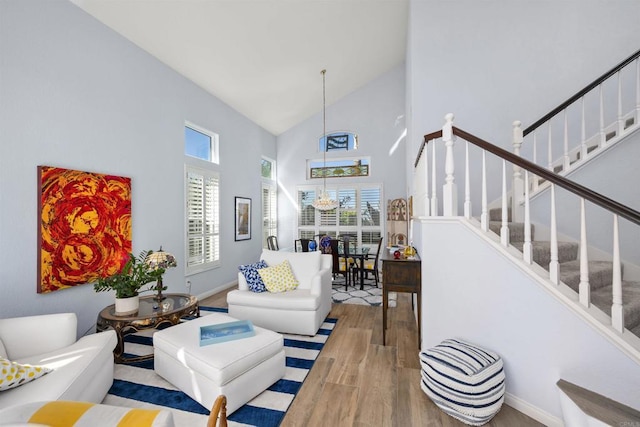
{"x": 203, "y": 218}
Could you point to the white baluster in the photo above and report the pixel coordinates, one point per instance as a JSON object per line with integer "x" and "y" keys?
{"x": 617, "y": 310}
{"x": 425, "y": 171}
{"x": 637, "y": 91}
{"x": 584, "y": 289}
{"x": 434, "y": 192}
{"x": 620, "y": 120}
{"x": 484, "y": 220}
{"x": 527, "y": 248}
{"x": 467, "y": 184}
{"x": 517, "y": 190}
{"x": 504, "y": 229}
{"x": 566, "y": 162}
{"x": 449, "y": 189}
{"x": 603, "y": 136}
{"x": 550, "y": 150}
{"x": 536, "y": 180}
{"x": 583, "y": 134}
{"x": 554, "y": 266}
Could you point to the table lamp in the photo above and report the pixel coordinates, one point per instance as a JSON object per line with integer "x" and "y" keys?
{"x": 160, "y": 260}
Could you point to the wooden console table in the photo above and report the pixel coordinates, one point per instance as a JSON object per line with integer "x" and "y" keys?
{"x": 400, "y": 275}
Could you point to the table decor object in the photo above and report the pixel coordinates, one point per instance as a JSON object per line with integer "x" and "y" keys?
{"x": 229, "y": 331}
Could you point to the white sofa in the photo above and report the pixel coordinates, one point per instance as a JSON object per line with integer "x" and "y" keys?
{"x": 82, "y": 368}
{"x": 300, "y": 311}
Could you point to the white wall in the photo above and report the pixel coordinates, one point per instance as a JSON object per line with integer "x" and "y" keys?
{"x": 503, "y": 309}
{"x": 496, "y": 61}
{"x": 376, "y": 113}
{"x": 75, "y": 94}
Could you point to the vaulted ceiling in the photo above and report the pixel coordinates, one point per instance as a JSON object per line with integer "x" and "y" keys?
{"x": 264, "y": 57}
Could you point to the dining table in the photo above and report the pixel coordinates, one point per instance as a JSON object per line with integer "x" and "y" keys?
{"x": 358, "y": 253}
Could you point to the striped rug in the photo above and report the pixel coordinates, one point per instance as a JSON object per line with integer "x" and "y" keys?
{"x": 137, "y": 385}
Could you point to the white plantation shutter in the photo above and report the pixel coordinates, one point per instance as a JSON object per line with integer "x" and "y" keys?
{"x": 203, "y": 219}
{"x": 269, "y": 213}
{"x": 358, "y": 214}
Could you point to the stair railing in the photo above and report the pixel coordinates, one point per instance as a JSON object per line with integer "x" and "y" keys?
{"x": 614, "y": 114}
{"x": 428, "y": 195}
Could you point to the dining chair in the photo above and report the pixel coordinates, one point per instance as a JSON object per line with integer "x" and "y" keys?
{"x": 272, "y": 243}
{"x": 347, "y": 263}
{"x": 302, "y": 244}
{"x": 370, "y": 265}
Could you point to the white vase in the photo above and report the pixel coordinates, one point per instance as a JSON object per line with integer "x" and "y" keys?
{"x": 127, "y": 305}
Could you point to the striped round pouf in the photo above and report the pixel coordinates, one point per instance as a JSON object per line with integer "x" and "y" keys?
{"x": 464, "y": 380}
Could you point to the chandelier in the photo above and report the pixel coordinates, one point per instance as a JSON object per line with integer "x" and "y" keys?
{"x": 324, "y": 202}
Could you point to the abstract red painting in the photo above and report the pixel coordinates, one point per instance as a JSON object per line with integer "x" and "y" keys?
{"x": 84, "y": 229}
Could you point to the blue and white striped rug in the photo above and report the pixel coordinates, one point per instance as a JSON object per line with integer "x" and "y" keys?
{"x": 138, "y": 386}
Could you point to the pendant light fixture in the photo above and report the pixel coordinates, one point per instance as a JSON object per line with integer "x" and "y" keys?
{"x": 324, "y": 202}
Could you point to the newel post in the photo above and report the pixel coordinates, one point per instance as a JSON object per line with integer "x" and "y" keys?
{"x": 517, "y": 193}
{"x": 449, "y": 189}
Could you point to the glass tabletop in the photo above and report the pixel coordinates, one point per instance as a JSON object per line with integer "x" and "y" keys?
{"x": 149, "y": 307}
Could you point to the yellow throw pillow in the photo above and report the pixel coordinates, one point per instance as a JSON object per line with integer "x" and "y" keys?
{"x": 14, "y": 374}
{"x": 278, "y": 278}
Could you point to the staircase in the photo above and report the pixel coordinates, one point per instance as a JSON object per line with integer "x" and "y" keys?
{"x": 600, "y": 272}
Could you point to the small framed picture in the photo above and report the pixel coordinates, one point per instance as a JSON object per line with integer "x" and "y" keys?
{"x": 243, "y": 218}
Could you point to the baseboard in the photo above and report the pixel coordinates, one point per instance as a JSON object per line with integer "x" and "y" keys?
{"x": 532, "y": 411}
{"x": 217, "y": 290}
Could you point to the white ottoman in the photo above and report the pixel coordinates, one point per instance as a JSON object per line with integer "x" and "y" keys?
{"x": 240, "y": 369}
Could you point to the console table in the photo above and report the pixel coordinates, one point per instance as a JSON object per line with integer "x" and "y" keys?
{"x": 400, "y": 275}
{"x": 150, "y": 315}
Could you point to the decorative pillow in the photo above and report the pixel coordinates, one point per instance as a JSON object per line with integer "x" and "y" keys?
{"x": 250, "y": 273}
{"x": 14, "y": 374}
{"x": 278, "y": 278}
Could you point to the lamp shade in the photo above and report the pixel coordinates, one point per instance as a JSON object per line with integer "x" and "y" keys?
{"x": 161, "y": 259}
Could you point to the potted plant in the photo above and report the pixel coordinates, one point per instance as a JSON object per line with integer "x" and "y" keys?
{"x": 129, "y": 281}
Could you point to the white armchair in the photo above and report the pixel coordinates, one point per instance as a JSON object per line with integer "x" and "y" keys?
{"x": 82, "y": 369}
{"x": 300, "y": 311}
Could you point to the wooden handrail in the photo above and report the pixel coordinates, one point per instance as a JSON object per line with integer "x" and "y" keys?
{"x": 581, "y": 93}
{"x": 594, "y": 197}
{"x": 428, "y": 137}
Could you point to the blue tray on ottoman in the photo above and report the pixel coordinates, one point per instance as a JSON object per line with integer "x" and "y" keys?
{"x": 229, "y": 331}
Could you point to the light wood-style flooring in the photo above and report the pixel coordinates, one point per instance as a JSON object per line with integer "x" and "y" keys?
{"x": 356, "y": 381}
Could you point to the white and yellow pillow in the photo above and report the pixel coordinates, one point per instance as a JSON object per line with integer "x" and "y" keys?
{"x": 278, "y": 278}
{"x": 14, "y": 374}
{"x": 61, "y": 413}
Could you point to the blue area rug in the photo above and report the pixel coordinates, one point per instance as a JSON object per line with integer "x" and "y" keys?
{"x": 137, "y": 385}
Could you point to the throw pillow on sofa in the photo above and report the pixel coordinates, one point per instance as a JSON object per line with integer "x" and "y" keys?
{"x": 250, "y": 273}
{"x": 14, "y": 374}
{"x": 278, "y": 278}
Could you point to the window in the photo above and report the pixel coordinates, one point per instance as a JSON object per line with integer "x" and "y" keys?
{"x": 203, "y": 219}
{"x": 339, "y": 168}
{"x": 358, "y": 213}
{"x": 338, "y": 141}
{"x": 200, "y": 143}
{"x": 269, "y": 200}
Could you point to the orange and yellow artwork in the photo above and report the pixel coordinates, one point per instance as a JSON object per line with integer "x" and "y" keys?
{"x": 84, "y": 227}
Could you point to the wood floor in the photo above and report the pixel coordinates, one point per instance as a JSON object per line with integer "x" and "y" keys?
{"x": 356, "y": 381}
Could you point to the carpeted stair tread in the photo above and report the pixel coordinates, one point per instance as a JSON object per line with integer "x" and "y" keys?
{"x": 495, "y": 214}
{"x": 516, "y": 229}
{"x": 600, "y": 274}
{"x": 603, "y": 299}
{"x": 541, "y": 252}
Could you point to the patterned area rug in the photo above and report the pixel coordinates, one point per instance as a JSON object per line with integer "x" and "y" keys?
{"x": 138, "y": 386}
{"x": 369, "y": 295}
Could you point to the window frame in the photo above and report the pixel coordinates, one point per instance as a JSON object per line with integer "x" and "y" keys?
{"x": 358, "y": 229}
{"x": 215, "y": 142}
{"x": 270, "y": 185}
{"x": 215, "y": 234}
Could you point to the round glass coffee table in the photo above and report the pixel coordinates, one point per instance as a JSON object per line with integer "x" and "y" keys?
{"x": 150, "y": 315}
